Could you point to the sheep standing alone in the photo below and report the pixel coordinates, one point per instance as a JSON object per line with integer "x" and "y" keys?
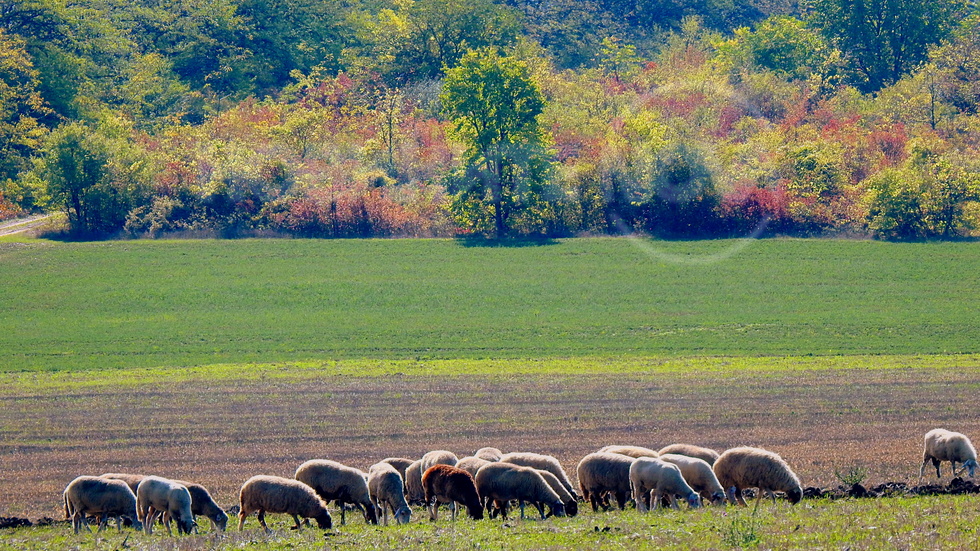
{"x": 337, "y": 482}
{"x": 156, "y": 495}
{"x": 540, "y": 462}
{"x": 663, "y": 479}
{"x": 92, "y": 495}
{"x": 602, "y": 472}
{"x": 204, "y": 505}
{"x": 503, "y": 482}
{"x": 388, "y": 492}
{"x": 414, "y": 492}
{"x": 471, "y": 464}
{"x": 631, "y": 451}
{"x": 708, "y": 455}
{"x": 746, "y": 467}
{"x": 448, "y": 484}
{"x": 489, "y": 454}
{"x": 272, "y": 494}
{"x": 699, "y": 475}
{"x": 943, "y": 445}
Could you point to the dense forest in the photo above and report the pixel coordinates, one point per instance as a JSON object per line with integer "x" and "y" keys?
{"x": 675, "y": 118}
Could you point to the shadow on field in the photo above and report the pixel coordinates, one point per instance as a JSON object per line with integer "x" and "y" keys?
{"x": 517, "y": 242}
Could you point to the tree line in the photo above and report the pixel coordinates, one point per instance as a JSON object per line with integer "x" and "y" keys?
{"x": 682, "y": 118}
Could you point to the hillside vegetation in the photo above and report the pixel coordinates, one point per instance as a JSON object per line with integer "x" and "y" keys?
{"x": 115, "y": 304}
{"x": 689, "y": 118}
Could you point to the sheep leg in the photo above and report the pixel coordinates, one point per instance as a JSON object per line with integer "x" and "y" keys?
{"x": 166, "y": 522}
{"x": 261, "y": 517}
{"x": 540, "y": 507}
{"x": 594, "y": 500}
{"x": 433, "y": 510}
{"x": 241, "y": 519}
{"x": 343, "y": 513}
{"x": 952, "y": 467}
{"x": 521, "y": 504}
{"x": 299, "y": 523}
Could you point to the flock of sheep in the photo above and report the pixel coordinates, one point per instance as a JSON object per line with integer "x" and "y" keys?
{"x": 487, "y": 482}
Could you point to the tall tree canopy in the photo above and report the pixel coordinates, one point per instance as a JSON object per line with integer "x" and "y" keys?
{"x": 494, "y": 105}
{"x": 885, "y": 39}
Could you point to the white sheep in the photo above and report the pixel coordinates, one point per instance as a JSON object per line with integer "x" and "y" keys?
{"x": 747, "y": 467}
{"x": 707, "y": 454}
{"x": 414, "y": 492}
{"x": 388, "y": 492}
{"x": 472, "y": 463}
{"x": 601, "y": 472}
{"x": 438, "y": 457}
{"x": 699, "y": 475}
{"x": 337, "y": 482}
{"x": 489, "y": 454}
{"x": 272, "y": 494}
{"x": 92, "y": 495}
{"x": 664, "y": 479}
{"x": 204, "y": 505}
{"x": 943, "y": 445}
{"x": 156, "y": 495}
{"x": 631, "y": 451}
{"x": 540, "y": 462}
{"x": 499, "y": 483}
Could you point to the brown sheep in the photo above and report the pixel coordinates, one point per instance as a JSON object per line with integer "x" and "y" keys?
{"x": 746, "y": 467}
{"x": 499, "y": 483}
{"x": 448, "y": 484}
{"x": 272, "y": 494}
{"x": 335, "y": 481}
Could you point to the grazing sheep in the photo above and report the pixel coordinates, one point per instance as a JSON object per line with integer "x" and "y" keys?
{"x": 707, "y": 454}
{"x": 414, "y": 492}
{"x": 388, "y": 492}
{"x": 502, "y": 482}
{"x": 699, "y": 475}
{"x": 489, "y": 454}
{"x": 602, "y": 472}
{"x": 273, "y": 494}
{"x": 943, "y": 445}
{"x": 337, "y": 482}
{"x": 746, "y": 467}
{"x": 541, "y": 462}
{"x": 92, "y": 495}
{"x": 399, "y": 463}
{"x": 571, "y": 504}
{"x": 663, "y": 479}
{"x": 132, "y": 480}
{"x": 438, "y": 457}
{"x": 203, "y": 504}
{"x": 155, "y": 496}
{"x": 471, "y": 464}
{"x": 448, "y": 484}
{"x": 631, "y": 451}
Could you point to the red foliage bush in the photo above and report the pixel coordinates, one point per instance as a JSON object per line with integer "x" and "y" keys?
{"x": 749, "y": 209}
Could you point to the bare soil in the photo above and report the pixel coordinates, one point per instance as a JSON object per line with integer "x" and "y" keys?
{"x": 220, "y": 433}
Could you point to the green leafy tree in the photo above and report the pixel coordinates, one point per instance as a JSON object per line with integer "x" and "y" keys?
{"x": 94, "y": 175}
{"x": 882, "y": 40}
{"x": 925, "y": 198}
{"x": 21, "y": 107}
{"x": 494, "y": 105}
{"x": 416, "y": 39}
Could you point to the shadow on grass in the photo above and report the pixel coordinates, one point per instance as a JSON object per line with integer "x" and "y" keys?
{"x": 516, "y": 242}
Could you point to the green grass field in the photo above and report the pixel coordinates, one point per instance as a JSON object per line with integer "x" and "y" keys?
{"x": 890, "y": 523}
{"x": 177, "y": 303}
